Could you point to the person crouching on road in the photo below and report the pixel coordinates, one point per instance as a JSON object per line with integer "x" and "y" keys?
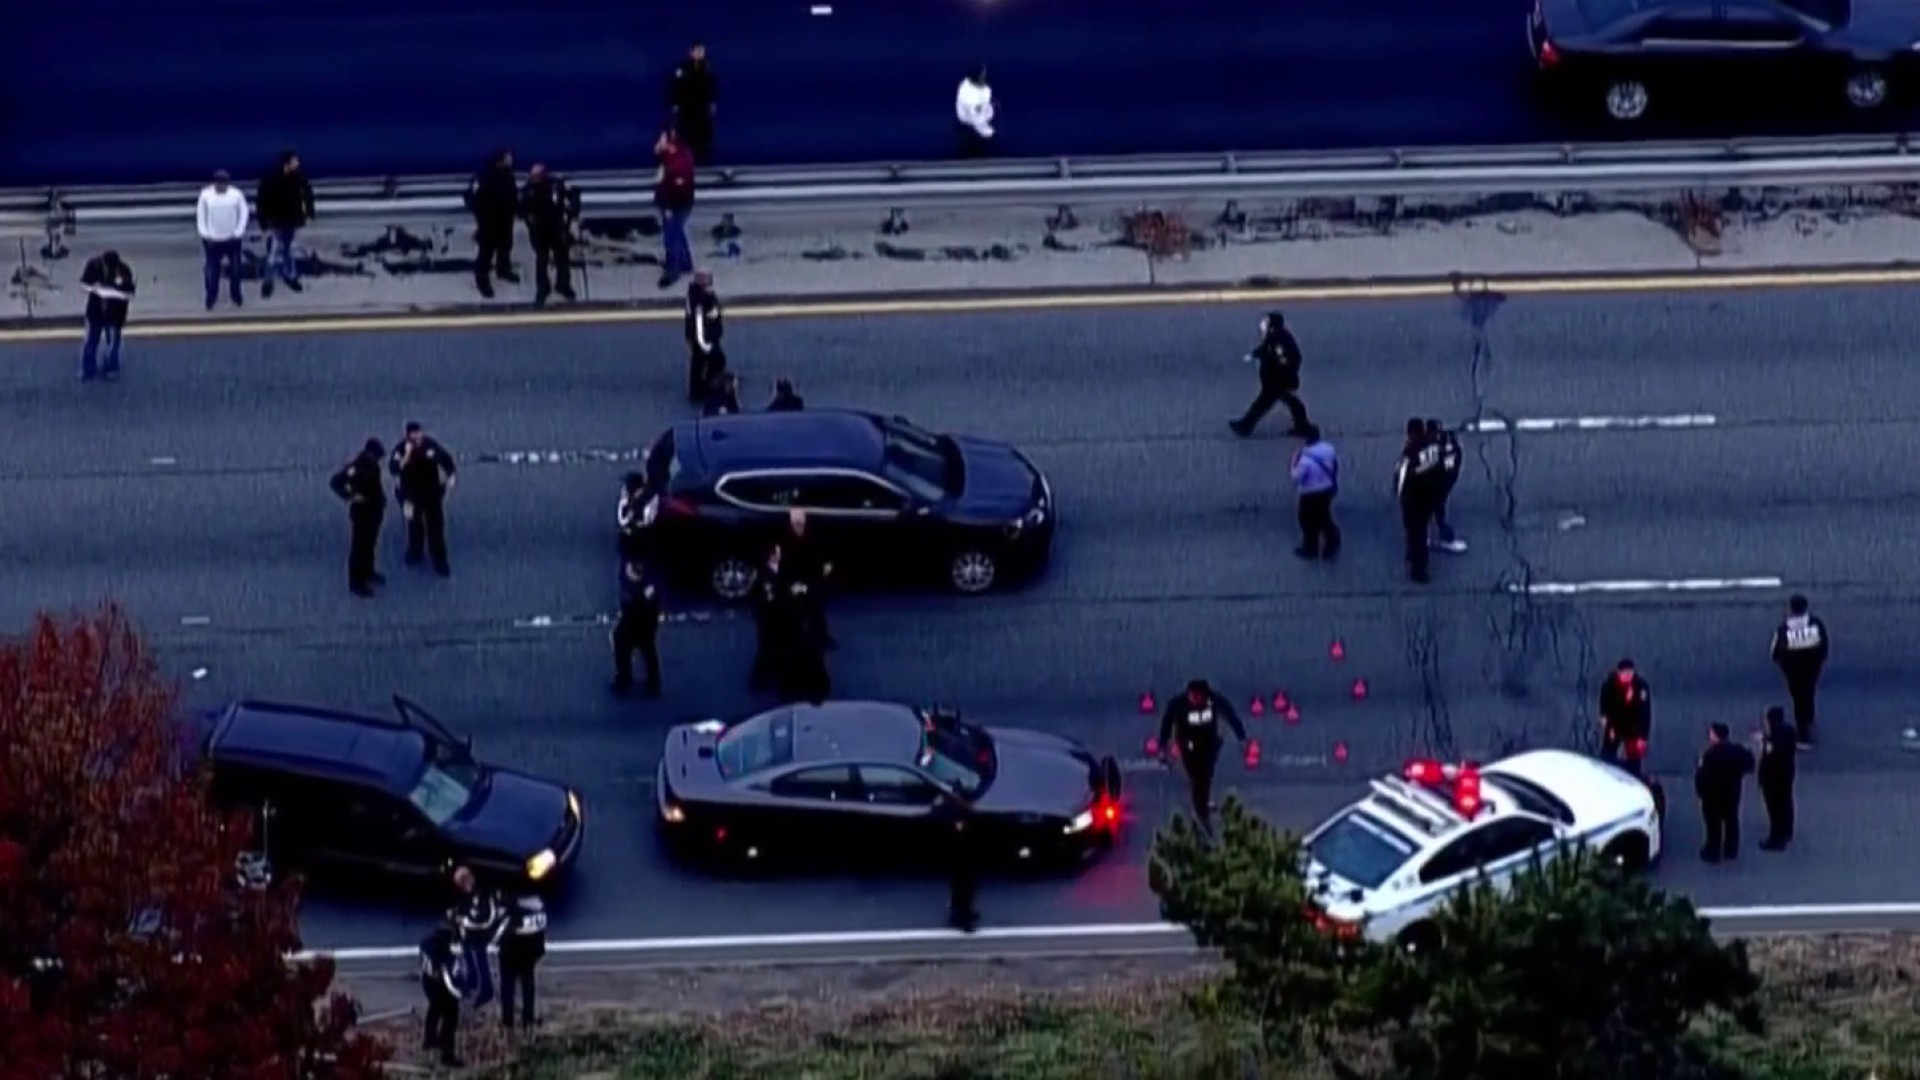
{"x": 441, "y": 982}
{"x": 478, "y": 919}
{"x": 724, "y": 398}
{"x": 1316, "y": 474}
{"x": 110, "y": 288}
{"x": 522, "y": 947}
{"x": 1191, "y": 723}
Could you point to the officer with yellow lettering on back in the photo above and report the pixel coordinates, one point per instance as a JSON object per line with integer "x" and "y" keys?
{"x": 1800, "y": 645}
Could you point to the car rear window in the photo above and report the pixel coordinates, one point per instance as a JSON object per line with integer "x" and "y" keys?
{"x": 753, "y": 746}
{"x": 663, "y": 462}
{"x": 1361, "y": 849}
{"x": 1601, "y": 13}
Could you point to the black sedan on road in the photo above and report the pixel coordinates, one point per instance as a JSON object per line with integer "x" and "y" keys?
{"x": 1625, "y": 55}
{"x": 888, "y": 502}
{"x": 864, "y": 781}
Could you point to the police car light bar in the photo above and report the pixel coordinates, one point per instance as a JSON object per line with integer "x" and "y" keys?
{"x": 1467, "y": 800}
{"x": 1419, "y": 807}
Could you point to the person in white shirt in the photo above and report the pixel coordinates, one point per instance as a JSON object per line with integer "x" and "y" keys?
{"x": 222, "y": 218}
{"x": 973, "y": 115}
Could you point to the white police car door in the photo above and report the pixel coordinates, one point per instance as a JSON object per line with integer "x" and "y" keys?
{"x": 1495, "y": 851}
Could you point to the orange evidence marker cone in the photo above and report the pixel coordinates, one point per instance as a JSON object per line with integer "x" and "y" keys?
{"x": 1293, "y": 715}
{"x": 1258, "y": 708}
{"x": 1359, "y": 689}
{"x": 1253, "y": 753}
{"x": 1280, "y": 702}
{"x": 1153, "y": 746}
{"x": 1146, "y": 702}
{"x": 1338, "y": 651}
{"x": 1339, "y": 751}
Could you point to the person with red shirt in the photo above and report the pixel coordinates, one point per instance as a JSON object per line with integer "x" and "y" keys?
{"x": 673, "y": 194}
{"x": 1626, "y": 718}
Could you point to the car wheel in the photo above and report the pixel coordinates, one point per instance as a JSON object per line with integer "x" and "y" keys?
{"x": 1868, "y": 88}
{"x": 1419, "y": 939}
{"x": 973, "y": 572}
{"x": 1627, "y": 100}
{"x": 733, "y": 579}
{"x": 1631, "y": 853}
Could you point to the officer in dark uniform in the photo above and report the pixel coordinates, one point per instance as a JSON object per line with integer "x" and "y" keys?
{"x": 1777, "y": 765}
{"x": 785, "y": 397}
{"x": 426, "y": 473}
{"x": 637, "y": 628}
{"x": 1278, "y": 355}
{"x": 1717, "y": 781}
{"x": 769, "y": 621}
{"x": 800, "y": 661}
{"x": 694, "y": 96}
{"x": 547, "y": 206}
{"x": 439, "y": 981}
{"x": 1626, "y": 718}
{"x": 493, "y": 198}
{"x": 521, "y": 948}
{"x": 723, "y": 398}
{"x": 1192, "y": 723}
{"x": 477, "y": 917}
{"x": 805, "y": 565}
{"x": 358, "y": 484}
{"x": 1416, "y": 479}
{"x": 1451, "y": 461}
{"x": 963, "y": 863}
{"x": 1800, "y": 646}
{"x": 705, "y": 326}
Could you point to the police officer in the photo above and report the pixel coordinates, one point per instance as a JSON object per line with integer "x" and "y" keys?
{"x": 426, "y": 473}
{"x": 477, "y": 919}
{"x": 440, "y": 982}
{"x": 723, "y": 399}
{"x": 705, "y": 326}
{"x": 638, "y": 627}
{"x": 694, "y": 96}
{"x": 1717, "y": 781}
{"x": 1192, "y": 723}
{"x": 963, "y": 863}
{"x": 806, "y": 570}
{"x": 785, "y": 397}
{"x": 800, "y": 661}
{"x": 1316, "y": 475}
{"x": 493, "y": 198}
{"x": 522, "y": 946}
{"x": 1777, "y": 751}
{"x": 547, "y": 206}
{"x": 1626, "y": 718}
{"x": 358, "y": 484}
{"x": 769, "y": 592}
{"x": 1278, "y": 355}
{"x": 1451, "y": 460}
{"x": 1800, "y": 652}
{"x": 1416, "y": 477}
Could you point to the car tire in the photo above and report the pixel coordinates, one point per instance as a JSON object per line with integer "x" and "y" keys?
{"x": 1626, "y": 100}
{"x": 972, "y": 572}
{"x": 1418, "y": 939}
{"x": 1868, "y": 88}
{"x": 1630, "y": 853}
{"x": 732, "y": 579}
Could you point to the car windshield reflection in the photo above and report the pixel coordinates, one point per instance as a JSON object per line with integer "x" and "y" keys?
{"x": 445, "y": 789}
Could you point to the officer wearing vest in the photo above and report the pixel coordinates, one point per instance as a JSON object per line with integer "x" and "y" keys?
{"x": 521, "y": 948}
{"x": 1191, "y": 724}
{"x": 1800, "y": 652}
{"x": 638, "y": 627}
{"x": 477, "y": 919}
{"x": 1626, "y": 718}
{"x": 1451, "y": 460}
{"x": 1416, "y": 477}
{"x": 1278, "y": 355}
{"x": 441, "y": 982}
{"x": 706, "y": 359}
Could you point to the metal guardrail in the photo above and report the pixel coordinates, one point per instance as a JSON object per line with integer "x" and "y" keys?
{"x": 1079, "y": 182}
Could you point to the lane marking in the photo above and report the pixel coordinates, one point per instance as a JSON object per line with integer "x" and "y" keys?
{"x": 1036, "y": 301}
{"x": 575, "y": 622}
{"x": 1679, "y": 422}
{"x": 163, "y": 461}
{"x": 1683, "y": 585}
{"x": 1093, "y": 931}
{"x": 195, "y": 620}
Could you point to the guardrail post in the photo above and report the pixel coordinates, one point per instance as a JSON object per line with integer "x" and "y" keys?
{"x": 1232, "y": 218}
{"x": 896, "y": 223}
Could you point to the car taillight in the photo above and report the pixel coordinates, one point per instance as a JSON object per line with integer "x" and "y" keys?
{"x": 674, "y": 506}
{"x": 1106, "y": 813}
{"x": 1331, "y": 926}
{"x": 1549, "y": 56}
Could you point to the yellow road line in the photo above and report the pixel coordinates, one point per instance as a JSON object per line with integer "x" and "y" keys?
{"x": 1038, "y": 301}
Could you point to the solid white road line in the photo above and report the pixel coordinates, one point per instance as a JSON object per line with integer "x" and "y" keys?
{"x": 1096, "y": 931}
{"x": 1682, "y": 585}
{"x": 1678, "y": 422}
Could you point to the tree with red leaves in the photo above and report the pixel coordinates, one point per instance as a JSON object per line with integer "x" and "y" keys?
{"x": 130, "y": 946}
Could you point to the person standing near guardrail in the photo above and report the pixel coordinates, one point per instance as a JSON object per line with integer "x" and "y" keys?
{"x": 973, "y": 115}
{"x": 547, "y": 206}
{"x": 284, "y": 202}
{"x": 110, "y": 287}
{"x": 673, "y": 191}
{"x": 694, "y": 98}
{"x": 493, "y": 198}
{"x": 222, "y": 220}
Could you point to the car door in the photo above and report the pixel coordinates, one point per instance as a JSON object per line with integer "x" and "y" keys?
{"x": 760, "y": 502}
{"x": 1682, "y": 56}
{"x": 819, "y": 815}
{"x": 1772, "y": 54}
{"x": 900, "y": 803}
{"x": 862, "y": 522}
{"x": 374, "y": 833}
{"x": 1494, "y": 848}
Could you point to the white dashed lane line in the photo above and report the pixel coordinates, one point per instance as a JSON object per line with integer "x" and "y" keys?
{"x": 1680, "y": 422}
{"x": 1628, "y": 587}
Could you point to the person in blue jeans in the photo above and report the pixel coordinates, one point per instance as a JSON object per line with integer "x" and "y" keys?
{"x": 110, "y": 288}
{"x": 222, "y": 218}
{"x": 673, "y": 194}
{"x": 284, "y": 204}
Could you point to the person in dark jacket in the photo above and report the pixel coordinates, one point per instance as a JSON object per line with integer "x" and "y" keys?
{"x": 1316, "y": 475}
{"x": 806, "y": 569}
{"x": 693, "y": 95}
{"x": 1626, "y": 717}
{"x": 1278, "y": 355}
{"x": 1778, "y": 747}
{"x": 800, "y": 639}
{"x": 1416, "y": 479}
{"x": 522, "y": 946}
{"x": 426, "y": 474}
{"x": 110, "y": 287}
{"x": 723, "y": 398}
{"x": 769, "y": 592}
{"x": 1452, "y": 460}
{"x": 963, "y": 857}
{"x": 785, "y": 397}
{"x": 284, "y": 205}
{"x": 1718, "y": 779}
{"x": 1800, "y": 646}
{"x": 1190, "y": 726}
{"x": 477, "y": 918}
{"x": 547, "y": 206}
{"x": 493, "y": 198}
{"x": 638, "y": 627}
{"x": 360, "y": 486}
{"x": 705, "y": 325}
{"x": 440, "y": 981}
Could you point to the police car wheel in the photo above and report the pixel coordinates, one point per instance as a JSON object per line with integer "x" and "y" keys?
{"x": 1631, "y": 852}
{"x": 973, "y": 572}
{"x": 733, "y": 579}
{"x": 1419, "y": 938}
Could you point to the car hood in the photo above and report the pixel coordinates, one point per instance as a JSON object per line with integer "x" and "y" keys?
{"x": 1037, "y": 773}
{"x": 1892, "y": 25}
{"x": 519, "y": 816}
{"x": 999, "y": 482}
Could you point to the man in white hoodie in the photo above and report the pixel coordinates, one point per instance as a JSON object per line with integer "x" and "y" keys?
{"x": 973, "y": 115}
{"x": 222, "y": 218}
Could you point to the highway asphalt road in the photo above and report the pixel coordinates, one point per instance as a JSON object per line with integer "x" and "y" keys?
{"x": 1172, "y": 558}
{"x": 170, "y": 92}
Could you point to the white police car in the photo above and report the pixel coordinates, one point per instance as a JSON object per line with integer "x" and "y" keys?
{"x": 1382, "y": 867}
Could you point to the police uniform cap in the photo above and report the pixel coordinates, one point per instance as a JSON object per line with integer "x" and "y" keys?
{"x": 1416, "y": 426}
{"x": 1776, "y": 716}
{"x": 375, "y": 447}
{"x": 1198, "y": 687}
{"x": 1720, "y": 730}
{"x": 414, "y": 427}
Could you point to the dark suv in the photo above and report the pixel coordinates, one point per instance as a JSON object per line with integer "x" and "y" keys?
{"x": 888, "y": 502}
{"x": 387, "y": 797}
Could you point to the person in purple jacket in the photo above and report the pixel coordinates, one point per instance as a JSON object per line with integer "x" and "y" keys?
{"x": 1316, "y": 475}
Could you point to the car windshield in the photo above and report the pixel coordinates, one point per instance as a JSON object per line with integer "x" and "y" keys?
{"x": 446, "y": 788}
{"x": 956, "y": 754}
{"x": 755, "y": 745}
{"x": 1361, "y": 849}
{"x": 925, "y": 464}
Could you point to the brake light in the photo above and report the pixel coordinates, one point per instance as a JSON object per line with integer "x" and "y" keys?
{"x": 1327, "y": 924}
{"x": 1549, "y": 56}
{"x": 1106, "y": 813}
{"x": 674, "y": 506}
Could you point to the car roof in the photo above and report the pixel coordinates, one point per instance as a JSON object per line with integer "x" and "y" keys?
{"x": 321, "y": 743}
{"x": 815, "y": 438}
{"x": 856, "y": 731}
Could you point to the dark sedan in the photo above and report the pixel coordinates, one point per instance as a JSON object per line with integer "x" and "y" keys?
{"x": 888, "y": 502}
{"x": 864, "y": 780}
{"x": 1626, "y": 55}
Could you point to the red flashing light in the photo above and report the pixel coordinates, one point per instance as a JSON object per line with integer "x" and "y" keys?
{"x": 1424, "y": 771}
{"x": 1466, "y": 794}
{"x": 1326, "y": 924}
{"x": 1146, "y": 703}
{"x": 1258, "y": 708}
{"x": 1293, "y": 715}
